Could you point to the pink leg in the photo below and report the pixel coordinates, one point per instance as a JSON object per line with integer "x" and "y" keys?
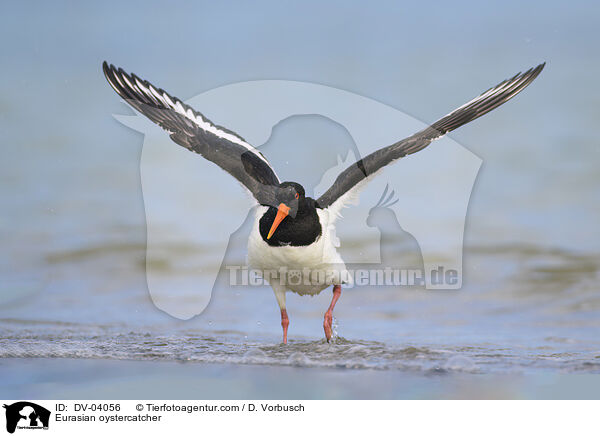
{"x": 285, "y": 322}
{"x": 337, "y": 292}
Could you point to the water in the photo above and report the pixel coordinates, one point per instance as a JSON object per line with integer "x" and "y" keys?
{"x": 340, "y": 353}
{"x": 539, "y": 314}
{"x": 76, "y": 318}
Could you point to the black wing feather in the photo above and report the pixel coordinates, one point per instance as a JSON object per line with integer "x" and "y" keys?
{"x": 484, "y": 103}
{"x": 193, "y": 131}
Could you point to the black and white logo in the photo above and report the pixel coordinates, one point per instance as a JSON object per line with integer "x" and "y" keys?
{"x": 26, "y": 415}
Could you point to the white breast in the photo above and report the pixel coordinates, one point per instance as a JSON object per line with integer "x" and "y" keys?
{"x": 306, "y": 269}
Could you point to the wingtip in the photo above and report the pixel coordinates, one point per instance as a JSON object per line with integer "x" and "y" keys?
{"x": 538, "y": 69}
{"x": 107, "y": 69}
{"x": 110, "y": 74}
{"x": 541, "y": 66}
{"x": 110, "y": 69}
{"x": 534, "y": 72}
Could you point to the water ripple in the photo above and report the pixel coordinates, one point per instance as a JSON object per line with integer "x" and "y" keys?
{"x": 341, "y": 353}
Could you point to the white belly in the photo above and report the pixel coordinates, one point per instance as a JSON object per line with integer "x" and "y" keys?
{"x": 304, "y": 270}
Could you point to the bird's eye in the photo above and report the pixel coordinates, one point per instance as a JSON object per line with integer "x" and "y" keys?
{"x": 297, "y": 196}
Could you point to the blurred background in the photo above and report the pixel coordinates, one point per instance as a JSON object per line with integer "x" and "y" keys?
{"x": 73, "y": 226}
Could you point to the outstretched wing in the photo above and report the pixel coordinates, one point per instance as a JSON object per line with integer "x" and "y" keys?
{"x": 193, "y": 131}
{"x": 349, "y": 180}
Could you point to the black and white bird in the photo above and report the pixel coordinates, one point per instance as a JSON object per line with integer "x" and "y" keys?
{"x": 292, "y": 232}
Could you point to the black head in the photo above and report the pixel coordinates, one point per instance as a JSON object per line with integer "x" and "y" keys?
{"x": 289, "y": 196}
{"x": 290, "y": 192}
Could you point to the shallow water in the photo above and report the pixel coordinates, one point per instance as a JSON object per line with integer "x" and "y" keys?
{"x": 538, "y": 314}
{"x": 340, "y": 353}
{"x": 524, "y": 312}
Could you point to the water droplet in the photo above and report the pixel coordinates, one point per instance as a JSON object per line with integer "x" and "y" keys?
{"x": 334, "y": 329}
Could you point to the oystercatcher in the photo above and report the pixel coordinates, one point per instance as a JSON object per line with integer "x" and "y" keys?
{"x": 292, "y": 240}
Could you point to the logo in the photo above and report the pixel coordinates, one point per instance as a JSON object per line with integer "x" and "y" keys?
{"x": 26, "y": 415}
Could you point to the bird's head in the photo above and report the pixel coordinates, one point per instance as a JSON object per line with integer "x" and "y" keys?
{"x": 288, "y": 197}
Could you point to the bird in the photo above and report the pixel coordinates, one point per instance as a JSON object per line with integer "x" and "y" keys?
{"x": 293, "y": 233}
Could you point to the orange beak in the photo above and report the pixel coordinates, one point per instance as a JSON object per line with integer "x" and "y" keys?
{"x": 282, "y": 212}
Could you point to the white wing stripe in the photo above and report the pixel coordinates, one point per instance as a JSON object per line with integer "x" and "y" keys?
{"x": 159, "y": 96}
{"x": 128, "y": 82}
{"x": 489, "y": 93}
{"x": 166, "y": 97}
{"x": 117, "y": 76}
{"x": 197, "y": 118}
{"x": 147, "y": 92}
